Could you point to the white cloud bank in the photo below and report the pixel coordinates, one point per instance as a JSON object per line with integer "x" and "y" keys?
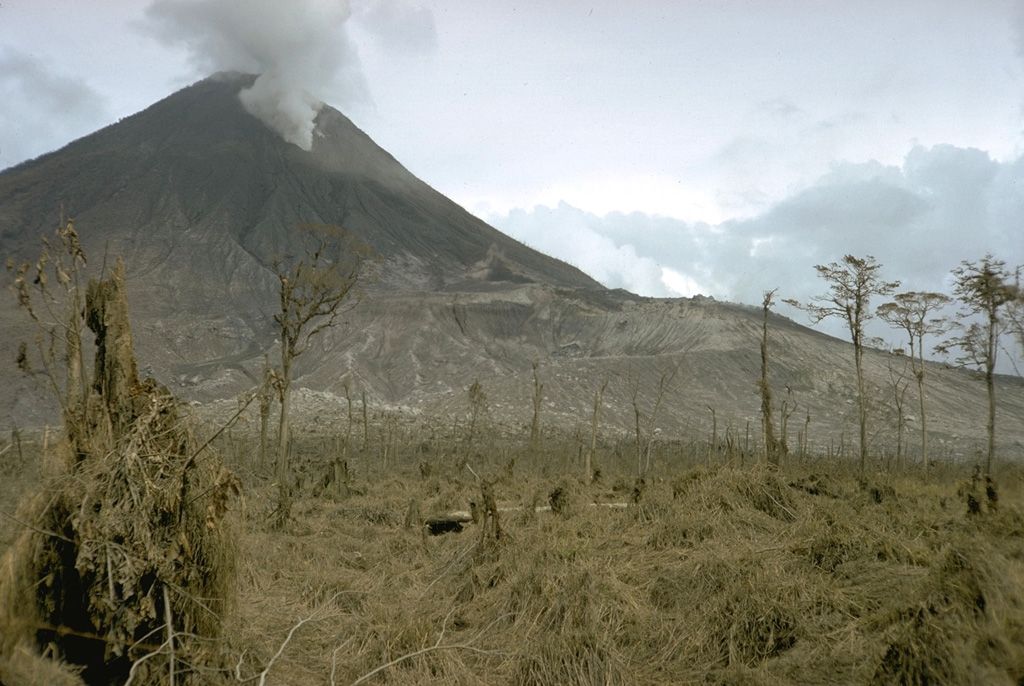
{"x": 920, "y": 219}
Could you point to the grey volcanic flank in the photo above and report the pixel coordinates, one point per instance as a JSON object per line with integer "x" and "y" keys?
{"x": 195, "y": 176}
{"x": 196, "y": 196}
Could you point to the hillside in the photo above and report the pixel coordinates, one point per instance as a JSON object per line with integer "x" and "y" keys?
{"x": 197, "y": 197}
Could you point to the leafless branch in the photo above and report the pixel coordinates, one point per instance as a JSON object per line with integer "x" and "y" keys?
{"x": 334, "y": 659}
{"x": 468, "y": 645}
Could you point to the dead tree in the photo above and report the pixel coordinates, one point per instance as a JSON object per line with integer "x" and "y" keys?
{"x": 985, "y": 289}
{"x": 898, "y": 385}
{"x": 538, "y": 397}
{"x": 914, "y": 312}
{"x": 51, "y": 292}
{"x": 477, "y": 406}
{"x": 271, "y": 386}
{"x": 713, "y": 445}
{"x": 771, "y": 444}
{"x": 491, "y": 521}
{"x": 342, "y": 476}
{"x": 138, "y": 504}
{"x": 1015, "y": 319}
{"x": 852, "y": 283}
{"x": 322, "y": 284}
{"x": 366, "y": 424}
{"x": 787, "y": 410}
{"x": 645, "y": 423}
{"x": 588, "y": 466}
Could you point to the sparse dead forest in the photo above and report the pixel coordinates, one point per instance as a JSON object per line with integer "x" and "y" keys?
{"x": 160, "y": 547}
{"x": 705, "y": 571}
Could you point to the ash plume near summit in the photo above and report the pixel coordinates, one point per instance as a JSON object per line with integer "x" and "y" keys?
{"x": 300, "y": 50}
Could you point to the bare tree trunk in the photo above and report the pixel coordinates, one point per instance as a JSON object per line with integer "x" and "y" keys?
{"x": 714, "y": 434}
{"x": 341, "y": 473}
{"x": 477, "y": 404}
{"x": 639, "y": 448}
{"x": 924, "y": 430}
{"x": 862, "y": 409}
{"x": 771, "y": 448}
{"x": 538, "y": 396}
{"x": 116, "y": 374}
{"x": 472, "y": 436}
{"x": 366, "y": 425}
{"x": 284, "y": 426}
{"x": 899, "y": 435}
{"x": 782, "y": 440}
{"x": 588, "y": 466}
{"x": 652, "y": 420}
{"x": 807, "y": 429}
{"x": 746, "y": 445}
{"x": 785, "y": 412}
{"x": 264, "y": 421}
{"x": 990, "y": 424}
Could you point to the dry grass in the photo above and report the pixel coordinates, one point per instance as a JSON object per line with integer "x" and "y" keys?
{"x": 745, "y": 576}
{"x": 719, "y": 575}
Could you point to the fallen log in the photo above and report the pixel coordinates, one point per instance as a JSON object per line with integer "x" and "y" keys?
{"x": 454, "y": 521}
{"x": 451, "y": 522}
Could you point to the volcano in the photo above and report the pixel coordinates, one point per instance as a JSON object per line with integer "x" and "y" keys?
{"x": 197, "y": 197}
{"x": 196, "y": 179}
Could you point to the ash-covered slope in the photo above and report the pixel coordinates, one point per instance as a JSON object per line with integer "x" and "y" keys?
{"x": 197, "y": 196}
{"x": 424, "y": 350}
{"x": 194, "y": 185}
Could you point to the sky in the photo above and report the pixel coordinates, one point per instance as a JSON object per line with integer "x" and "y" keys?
{"x": 669, "y": 147}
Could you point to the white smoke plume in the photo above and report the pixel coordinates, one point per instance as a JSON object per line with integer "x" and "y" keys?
{"x": 299, "y": 48}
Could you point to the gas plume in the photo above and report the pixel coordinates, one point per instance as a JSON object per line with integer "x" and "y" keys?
{"x": 299, "y": 49}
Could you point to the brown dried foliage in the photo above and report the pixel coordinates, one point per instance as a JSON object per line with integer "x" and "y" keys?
{"x": 126, "y": 563}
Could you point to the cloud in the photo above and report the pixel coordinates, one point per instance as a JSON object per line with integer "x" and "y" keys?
{"x": 920, "y": 219}
{"x": 779, "y": 107}
{"x": 1018, "y": 32}
{"x": 299, "y": 49}
{"x": 583, "y": 240}
{"x": 399, "y": 26}
{"x": 41, "y": 106}
{"x": 856, "y": 214}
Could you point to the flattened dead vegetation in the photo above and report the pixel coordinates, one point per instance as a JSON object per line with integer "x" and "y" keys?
{"x": 746, "y": 577}
{"x": 715, "y": 574}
